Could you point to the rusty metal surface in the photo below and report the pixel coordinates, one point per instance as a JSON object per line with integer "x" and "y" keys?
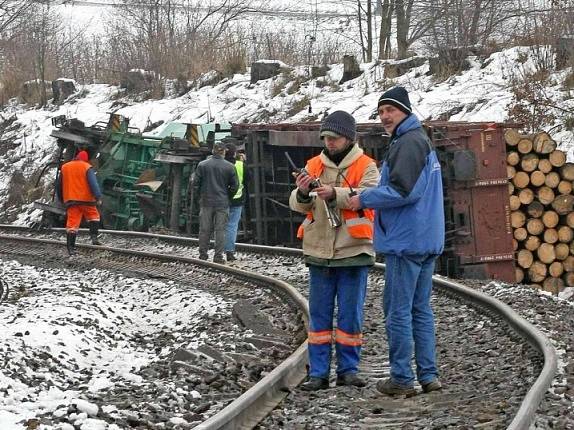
{"x": 479, "y": 204}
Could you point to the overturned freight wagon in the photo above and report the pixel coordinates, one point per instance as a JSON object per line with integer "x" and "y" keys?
{"x": 144, "y": 178}
{"x": 473, "y": 159}
{"x": 146, "y": 181}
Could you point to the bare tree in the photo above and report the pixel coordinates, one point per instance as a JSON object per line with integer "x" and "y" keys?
{"x": 10, "y": 11}
{"x": 387, "y": 8}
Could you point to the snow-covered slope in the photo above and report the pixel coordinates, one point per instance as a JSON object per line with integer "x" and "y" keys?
{"x": 482, "y": 93}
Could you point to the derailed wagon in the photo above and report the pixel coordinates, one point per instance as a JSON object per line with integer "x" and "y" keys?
{"x": 146, "y": 181}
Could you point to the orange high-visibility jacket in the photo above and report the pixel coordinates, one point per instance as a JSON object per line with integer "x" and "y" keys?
{"x": 359, "y": 223}
{"x": 75, "y": 185}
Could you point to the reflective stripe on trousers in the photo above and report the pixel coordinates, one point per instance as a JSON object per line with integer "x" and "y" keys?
{"x": 346, "y": 285}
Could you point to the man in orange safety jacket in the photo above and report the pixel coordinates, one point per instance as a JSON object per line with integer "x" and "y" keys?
{"x": 338, "y": 249}
{"x": 79, "y": 191}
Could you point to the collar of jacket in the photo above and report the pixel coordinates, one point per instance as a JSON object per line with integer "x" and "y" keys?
{"x": 355, "y": 153}
{"x": 409, "y": 123}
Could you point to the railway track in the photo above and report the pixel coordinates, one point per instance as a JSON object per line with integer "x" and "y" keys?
{"x": 496, "y": 366}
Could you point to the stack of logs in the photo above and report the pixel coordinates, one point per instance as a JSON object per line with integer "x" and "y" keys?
{"x": 541, "y": 203}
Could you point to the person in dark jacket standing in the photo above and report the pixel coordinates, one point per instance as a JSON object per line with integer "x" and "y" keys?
{"x": 238, "y": 200}
{"x": 409, "y": 231}
{"x": 216, "y": 183}
{"x": 79, "y": 191}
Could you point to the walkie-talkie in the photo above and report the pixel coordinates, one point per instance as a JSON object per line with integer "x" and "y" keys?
{"x": 315, "y": 183}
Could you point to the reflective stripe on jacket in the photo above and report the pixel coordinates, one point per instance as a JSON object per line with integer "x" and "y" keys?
{"x": 239, "y": 169}
{"x": 359, "y": 223}
{"x": 75, "y": 185}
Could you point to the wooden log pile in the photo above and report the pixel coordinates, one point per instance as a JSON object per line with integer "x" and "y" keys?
{"x": 542, "y": 216}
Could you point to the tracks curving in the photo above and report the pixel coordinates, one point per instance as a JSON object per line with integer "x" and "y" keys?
{"x": 496, "y": 366}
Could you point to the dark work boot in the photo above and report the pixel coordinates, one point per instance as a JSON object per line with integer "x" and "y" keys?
{"x": 71, "y": 243}
{"x": 314, "y": 384}
{"x": 94, "y": 232}
{"x": 230, "y": 256}
{"x": 350, "y": 379}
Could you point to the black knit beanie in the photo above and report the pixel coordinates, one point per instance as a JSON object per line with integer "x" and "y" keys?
{"x": 398, "y": 97}
{"x": 339, "y": 123}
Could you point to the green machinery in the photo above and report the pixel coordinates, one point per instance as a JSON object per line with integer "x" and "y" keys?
{"x": 145, "y": 179}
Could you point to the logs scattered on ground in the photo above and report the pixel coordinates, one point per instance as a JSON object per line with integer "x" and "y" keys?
{"x": 541, "y": 204}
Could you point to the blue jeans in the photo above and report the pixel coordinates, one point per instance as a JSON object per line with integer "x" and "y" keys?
{"x": 348, "y": 285}
{"x": 409, "y": 317}
{"x": 231, "y": 228}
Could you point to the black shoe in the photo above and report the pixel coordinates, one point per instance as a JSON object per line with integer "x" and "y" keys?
{"x": 95, "y": 241}
{"x": 430, "y": 386}
{"x": 350, "y": 379}
{"x": 314, "y": 384}
{"x": 387, "y": 386}
{"x": 203, "y": 256}
{"x": 218, "y": 259}
{"x": 230, "y": 256}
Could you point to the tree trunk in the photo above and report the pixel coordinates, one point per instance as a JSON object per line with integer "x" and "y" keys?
{"x": 537, "y": 178}
{"x": 535, "y": 209}
{"x": 552, "y": 180}
{"x": 524, "y": 258}
{"x": 556, "y": 269}
{"x": 562, "y": 250}
{"x": 553, "y": 285}
{"x": 557, "y": 158}
{"x": 565, "y": 234}
{"x": 512, "y": 137}
{"x": 543, "y": 143}
{"x": 563, "y": 204}
{"x": 529, "y": 162}
{"x": 520, "y": 234}
{"x": 532, "y": 243}
{"x": 535, "y": 226}
{"x": 551, "y": 236}
{"x": 521, "y": 180}
{"x": 537, "y": 271}
{"x": 524, "y": 146}
{"x": 526, "y": 196}
{"x": 565, "y": 187}
{"x": 544, "y": 165}
{"x": 517, "y": 219}
{"x": 519, "y": 275}
{"x": 550, "y": 219}
{"x": 514, "y": 203}
{"x": 546, "y": 253}
{"x": 567, "y": 171}
{"x": 545, "y": 195}
{"x": 512, "y": 158}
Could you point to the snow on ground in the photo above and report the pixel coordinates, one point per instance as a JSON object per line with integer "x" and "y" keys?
{"x": 71, "y": 329}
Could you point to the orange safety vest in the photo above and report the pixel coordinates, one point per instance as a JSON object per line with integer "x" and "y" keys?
{"x": 75, "y": 185}
{"x": 359, "y": 227}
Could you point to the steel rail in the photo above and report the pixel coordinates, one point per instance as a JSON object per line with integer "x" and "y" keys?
{"x": 258, "y": 401}
{"x": 527, "y": 410}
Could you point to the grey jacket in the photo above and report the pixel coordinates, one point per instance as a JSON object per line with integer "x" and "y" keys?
{"x": 216, "y": 182}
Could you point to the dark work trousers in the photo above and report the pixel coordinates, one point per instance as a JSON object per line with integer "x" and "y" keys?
{"x": 212, "y": 219}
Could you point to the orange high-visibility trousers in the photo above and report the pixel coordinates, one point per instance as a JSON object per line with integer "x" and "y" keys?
{"x": 75, "y": 213}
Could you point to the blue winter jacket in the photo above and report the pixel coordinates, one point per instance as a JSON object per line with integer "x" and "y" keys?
{"x": 408, "y": 199}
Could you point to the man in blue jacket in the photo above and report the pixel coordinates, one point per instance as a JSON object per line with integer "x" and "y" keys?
{"x": 409, "y": 231}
